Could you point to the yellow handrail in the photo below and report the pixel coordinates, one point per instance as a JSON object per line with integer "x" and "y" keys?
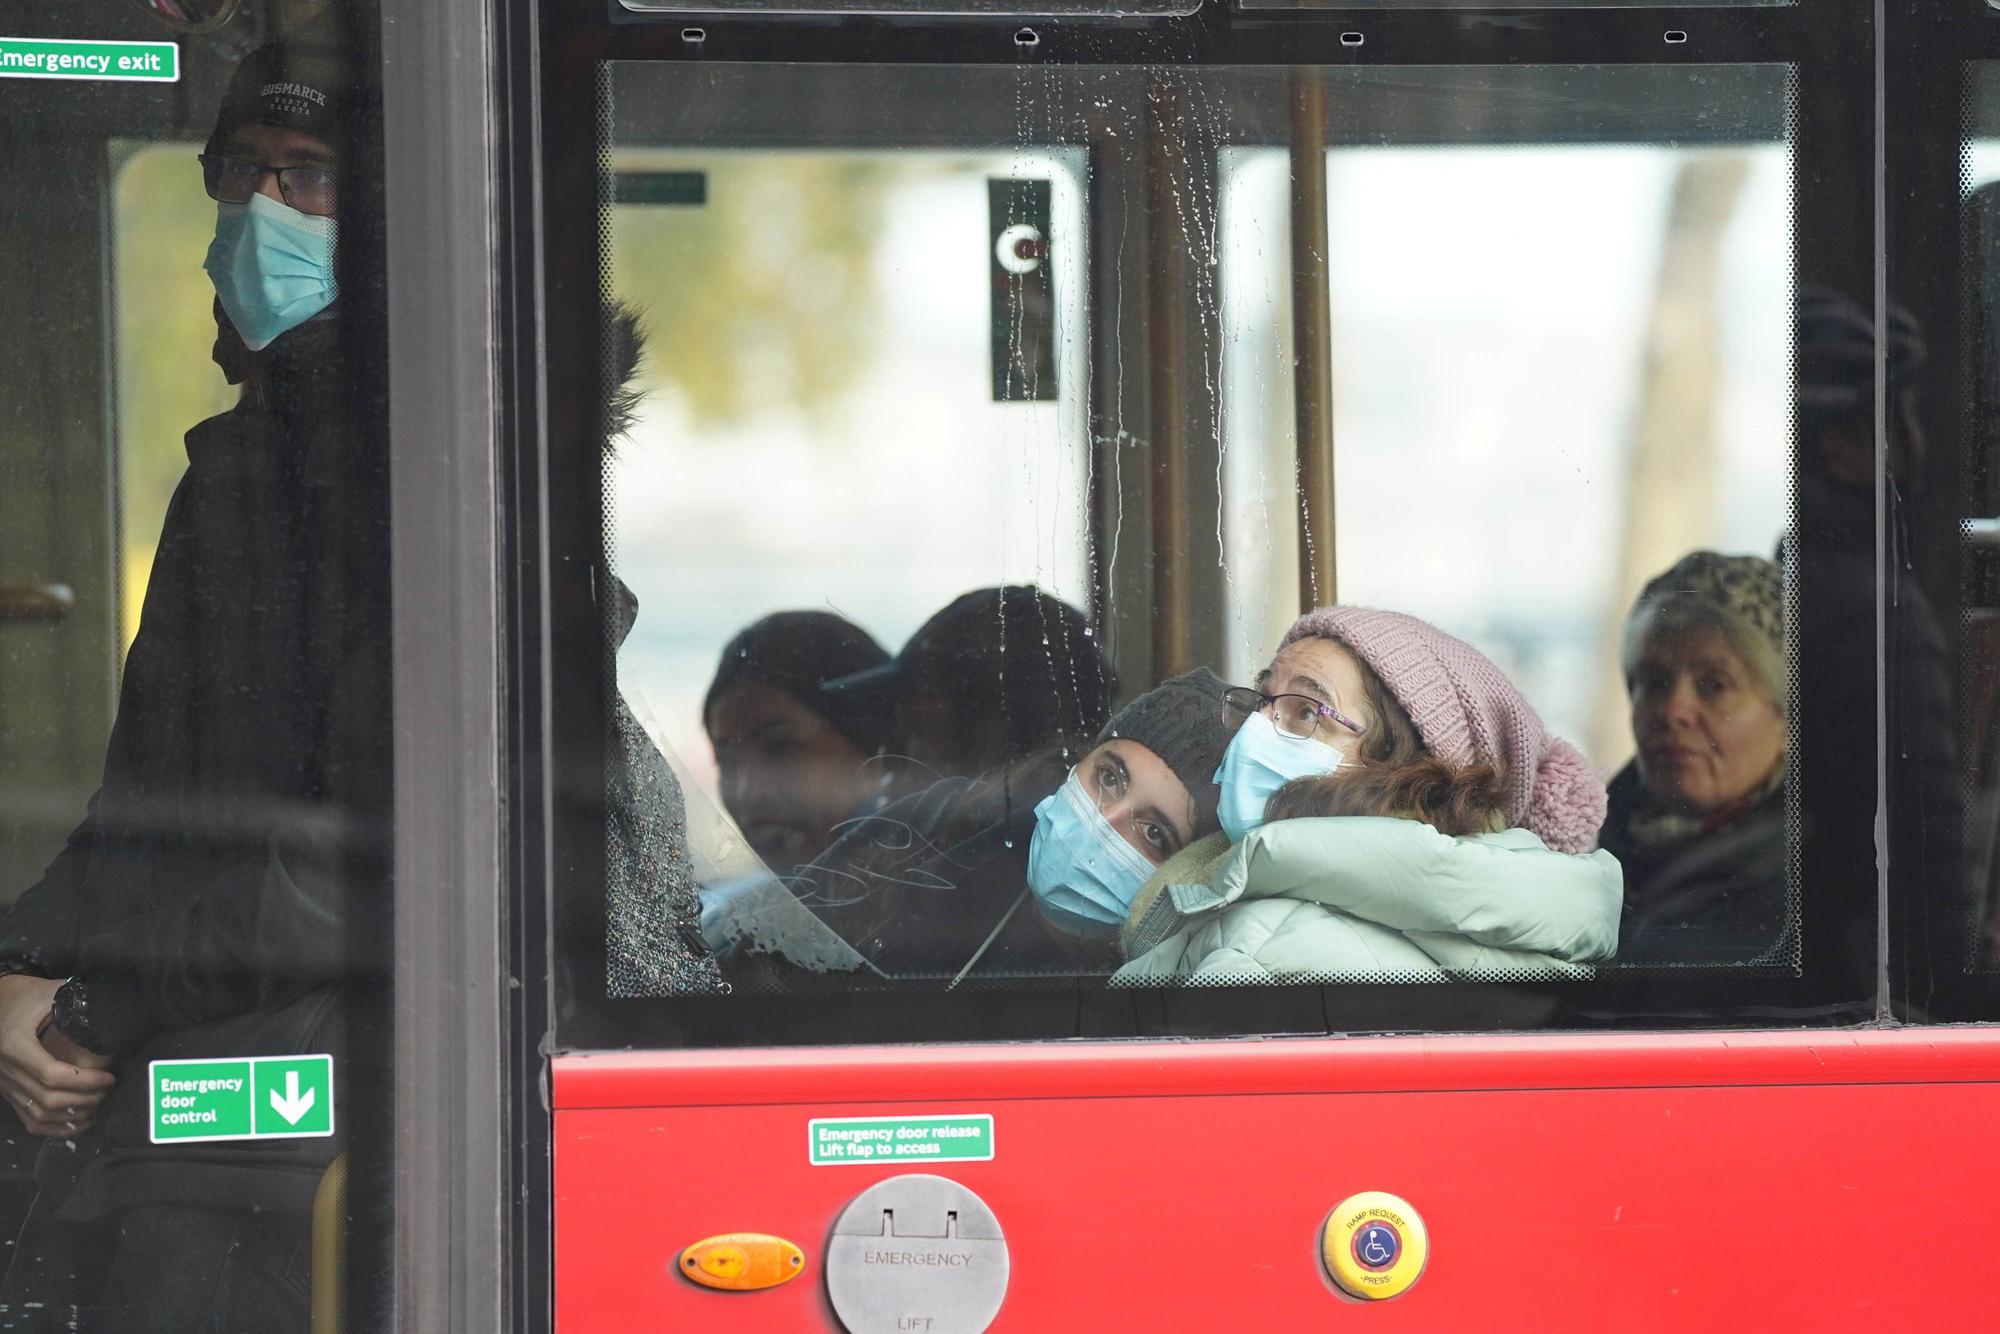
{"x": 329, "y": 1248}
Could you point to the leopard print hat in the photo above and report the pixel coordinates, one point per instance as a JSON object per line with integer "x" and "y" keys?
{"x": 1743, "y": 597}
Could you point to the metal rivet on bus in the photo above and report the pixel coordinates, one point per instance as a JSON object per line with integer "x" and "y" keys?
{"x": 1374, "y": 1245}
{"x": 1675, "y": 37}
{"x": 694, "y": 36}
{"x": 1352, "y": 39}
{"x": 1027, "y": 37}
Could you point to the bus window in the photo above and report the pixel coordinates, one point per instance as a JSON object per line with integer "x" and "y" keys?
{"x": 1603, "y": 359}
{"x": 808, "y": 316}
{"x": 159, "y": 218}
{"x": 971, "y": 475}
{"x": 1943, "y": 540}
{"x": 1337, "y": 5}
{"x": 1038, "y": 8}
{"x": 195, "y": 787}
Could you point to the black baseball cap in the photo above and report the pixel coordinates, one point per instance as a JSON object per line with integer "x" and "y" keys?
{"x": 1014, "y": 647}
{"x": 795, "y": 651}
{"x": 1837, "y": 348}
{"x": 295, "y": 85}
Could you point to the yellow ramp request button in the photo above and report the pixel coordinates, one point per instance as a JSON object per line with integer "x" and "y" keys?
{"x": 1375, "y": 1245}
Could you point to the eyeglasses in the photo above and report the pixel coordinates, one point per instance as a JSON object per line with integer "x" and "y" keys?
{"x": 1297, "y": 716}
{"x": 231, "y": 180}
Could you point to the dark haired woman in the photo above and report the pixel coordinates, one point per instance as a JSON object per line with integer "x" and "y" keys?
{"x": 1026, "y": 873}
{"x": 796, "y": 760}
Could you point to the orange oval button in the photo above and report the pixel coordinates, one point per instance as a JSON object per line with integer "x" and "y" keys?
{"x": 742, "y": 1261}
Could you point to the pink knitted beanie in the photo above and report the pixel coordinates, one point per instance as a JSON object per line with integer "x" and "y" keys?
{"x": 1467, "y": 711}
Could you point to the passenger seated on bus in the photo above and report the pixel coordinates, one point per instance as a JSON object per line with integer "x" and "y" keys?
{"x": 1401, "y": 814}
{"x": 1025, "y": 872}
{"x": 652, "y": 936}
{"x": 1145, "y": 792}
{"x": 1698, "y": 817}
{"x": 796, "y": 760}
{"x": 999, "y": 675}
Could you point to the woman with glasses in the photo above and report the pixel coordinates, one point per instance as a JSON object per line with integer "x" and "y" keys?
{"x": 1393, "y": 809}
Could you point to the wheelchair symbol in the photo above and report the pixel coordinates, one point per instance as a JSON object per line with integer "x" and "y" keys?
{"x": 1377, "y": 1245}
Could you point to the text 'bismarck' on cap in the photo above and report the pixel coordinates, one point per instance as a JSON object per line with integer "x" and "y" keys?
{"x": 295, "y": 85}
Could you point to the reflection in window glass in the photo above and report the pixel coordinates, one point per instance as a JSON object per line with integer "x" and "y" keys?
{"x": 1979, "y": 721}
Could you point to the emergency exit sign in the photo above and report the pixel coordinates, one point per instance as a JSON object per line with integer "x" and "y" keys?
{"x": 259, "y": 1097}
{"x": 132, "y": 62}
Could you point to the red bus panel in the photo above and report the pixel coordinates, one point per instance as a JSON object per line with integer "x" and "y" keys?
{"x": 1828, "y": 1181}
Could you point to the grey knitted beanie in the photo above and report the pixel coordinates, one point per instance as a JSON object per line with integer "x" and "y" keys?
{"x": 1183, "y": 721}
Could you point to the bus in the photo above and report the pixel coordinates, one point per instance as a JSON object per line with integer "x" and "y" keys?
{"x": 880, "y": 665}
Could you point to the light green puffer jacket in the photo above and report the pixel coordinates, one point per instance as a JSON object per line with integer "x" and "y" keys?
{"x": 1371, "y": 899}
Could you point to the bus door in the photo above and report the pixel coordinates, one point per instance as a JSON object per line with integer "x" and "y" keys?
{"x": 1029, "y": 496}
{"x": 198, "y": 660}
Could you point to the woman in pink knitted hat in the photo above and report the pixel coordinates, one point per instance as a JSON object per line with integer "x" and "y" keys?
{"x": 1393, "y": 809}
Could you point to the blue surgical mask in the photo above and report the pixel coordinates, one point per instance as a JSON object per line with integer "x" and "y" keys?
{"x": 1083, "y": 873}
{"x": 1259, "y": 761}
{"x": 272, "y": 267}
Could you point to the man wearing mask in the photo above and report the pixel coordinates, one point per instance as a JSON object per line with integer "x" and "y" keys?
{"x": 199, "y": 909}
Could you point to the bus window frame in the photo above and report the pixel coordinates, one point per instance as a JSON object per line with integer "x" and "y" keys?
{"x": 1928, "y": 57}
{"x": 1830, "y": 46}
{"x": 468, "y": 1244}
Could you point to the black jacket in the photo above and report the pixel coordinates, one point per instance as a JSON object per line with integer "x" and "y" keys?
{"x": 652, "y": 932}
{"x": 202, "y": 905}
{"x": 1712, "y": 898}
{"x": 936, "y": 885}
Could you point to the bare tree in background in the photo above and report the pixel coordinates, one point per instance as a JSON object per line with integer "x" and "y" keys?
{"x": 1670, "y": 489}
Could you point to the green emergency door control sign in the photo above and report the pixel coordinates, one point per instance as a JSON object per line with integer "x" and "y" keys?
{"x": 900, "y": 1139}
{"x": 129, "y": 62}
{"x": 258, "y": 1097}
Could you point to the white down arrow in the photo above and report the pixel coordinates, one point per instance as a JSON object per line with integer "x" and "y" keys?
{"x": 292, "y": 1105}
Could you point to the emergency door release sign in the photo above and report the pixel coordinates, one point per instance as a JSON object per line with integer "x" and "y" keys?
{"x": 128, "y": 62}
{"x": 900, "y": 1139}
{"x": 260, "y": 1097}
